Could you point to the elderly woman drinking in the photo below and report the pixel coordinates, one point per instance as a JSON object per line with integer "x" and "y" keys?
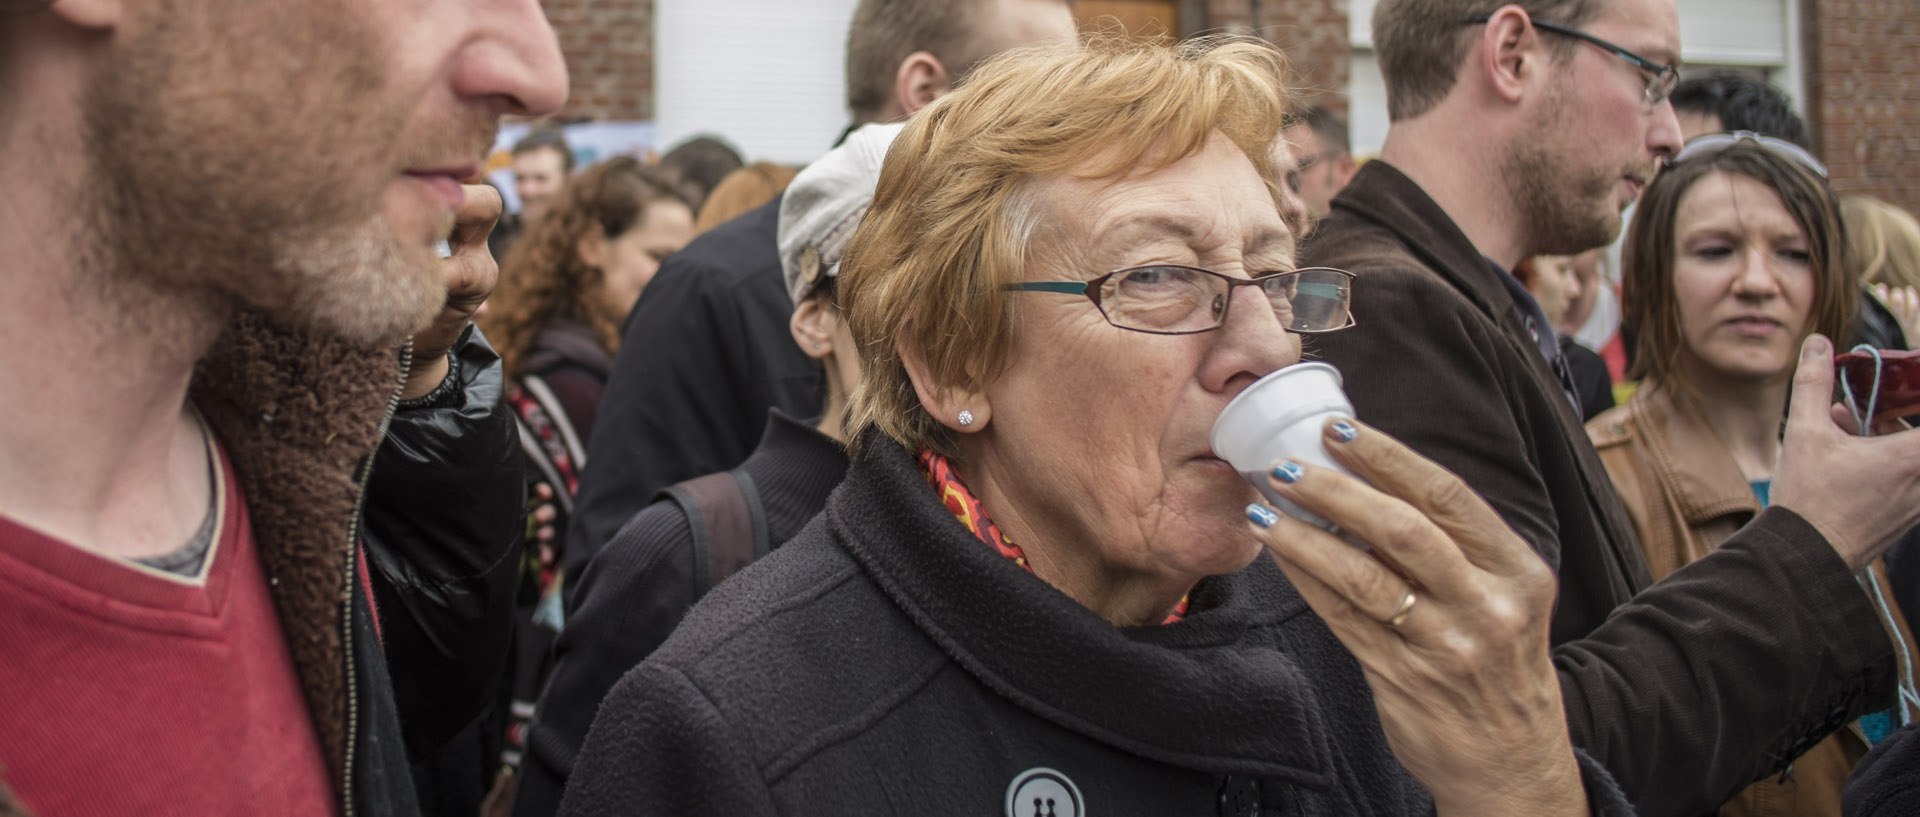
{"x": 1038, "y": 592}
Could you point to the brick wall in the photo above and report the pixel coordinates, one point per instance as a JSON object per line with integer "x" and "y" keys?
{"x": 609, "y": 49}
{"x": 1312, "y": 33}
{"x": 1863, "y": 94}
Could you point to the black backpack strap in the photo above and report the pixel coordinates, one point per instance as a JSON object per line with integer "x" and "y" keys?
{"x": 728, "y": 524}
{"x": 756, "y": 512}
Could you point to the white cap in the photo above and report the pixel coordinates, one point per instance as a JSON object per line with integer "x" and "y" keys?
{"x": 824, "y": 204}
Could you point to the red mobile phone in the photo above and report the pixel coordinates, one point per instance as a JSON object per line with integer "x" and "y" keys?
{"x": 1899, "y": 380}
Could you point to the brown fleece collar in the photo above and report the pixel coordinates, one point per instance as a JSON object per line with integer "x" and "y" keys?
{"x": 298, "y": 412}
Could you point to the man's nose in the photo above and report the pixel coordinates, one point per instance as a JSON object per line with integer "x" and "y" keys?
{"x": 515, "y": 57}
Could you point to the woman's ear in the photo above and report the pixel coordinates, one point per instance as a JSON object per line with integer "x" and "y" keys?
{"x": 592, "y": 248}
{"x": 965, "y": 409}
{"x": 813, "y": 324}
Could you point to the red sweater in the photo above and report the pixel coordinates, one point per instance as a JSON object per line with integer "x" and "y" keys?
{"x": 127, "y": 690}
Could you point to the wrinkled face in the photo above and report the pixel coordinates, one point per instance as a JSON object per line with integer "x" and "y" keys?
{"x": 1741, "y": 278}
{"x": 538, "y": 175}
{"x": 1099, "y": 436}
{"x": 1594, "y": 142}
{"x": 632, "y": 258}
{"x": 302, "y": 157}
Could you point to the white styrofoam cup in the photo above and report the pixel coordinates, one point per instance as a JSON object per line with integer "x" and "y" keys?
{"x": 1280, "y": 417}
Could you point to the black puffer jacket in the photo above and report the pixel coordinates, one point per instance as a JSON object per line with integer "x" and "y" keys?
{"x": 443, "y": 516}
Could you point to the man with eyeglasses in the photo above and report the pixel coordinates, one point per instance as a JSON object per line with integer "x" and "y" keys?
{"x": 1323, "y": 159}
{"x": 1525, "y": 129}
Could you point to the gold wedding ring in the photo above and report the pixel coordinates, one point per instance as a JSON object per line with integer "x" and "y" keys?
{"x": 1406, "y": 607}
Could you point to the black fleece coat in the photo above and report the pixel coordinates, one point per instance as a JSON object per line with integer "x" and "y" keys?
{"x": 886, "y": 661}
{"x": 706, "y": 352}
{"x": 639, "y": 587}
{"x": 1687, "y": 690}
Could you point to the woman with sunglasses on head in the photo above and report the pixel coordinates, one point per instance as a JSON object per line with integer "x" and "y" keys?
{"x": 1735, "y": 255}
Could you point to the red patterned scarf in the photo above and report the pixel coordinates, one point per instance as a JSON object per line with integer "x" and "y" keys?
{"x": 967, "y": 508}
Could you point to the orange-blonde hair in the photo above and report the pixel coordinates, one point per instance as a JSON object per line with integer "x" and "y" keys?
{"x": 954, "y": 212}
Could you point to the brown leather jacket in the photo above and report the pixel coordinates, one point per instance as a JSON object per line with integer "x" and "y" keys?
{"x": 1686, "y": 496}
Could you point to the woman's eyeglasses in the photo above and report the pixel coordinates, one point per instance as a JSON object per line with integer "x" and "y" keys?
{"x": 1169, "y": 299}
{"x": 1712, "y": 143}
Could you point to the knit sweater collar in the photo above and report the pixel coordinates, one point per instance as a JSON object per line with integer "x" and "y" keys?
{"x": 1190, "y": 694}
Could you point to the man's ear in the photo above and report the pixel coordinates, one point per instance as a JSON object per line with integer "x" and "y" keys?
{"x": 89, "y": 13}
{"x": 920, "y": 80}
{"x": 945, "y": 402}
{"x": 1512, "y": 53}
{"x": 812, "y": 325}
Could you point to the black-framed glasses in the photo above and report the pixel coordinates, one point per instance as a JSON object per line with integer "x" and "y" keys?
{"x": 1170, "y": 299}
{"x": 1711, "y": 143}
{"x": 1659, "y": 85}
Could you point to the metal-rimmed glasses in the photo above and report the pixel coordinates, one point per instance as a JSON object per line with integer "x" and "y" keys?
{"x": 1711, "y": 143}
{"x": 1659, "y": 85}
{"x": 1171, "y": 299}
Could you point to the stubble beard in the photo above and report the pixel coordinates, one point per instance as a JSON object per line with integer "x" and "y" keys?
{"x": 214, "y": 187}
{"x": 1562, "y": 209}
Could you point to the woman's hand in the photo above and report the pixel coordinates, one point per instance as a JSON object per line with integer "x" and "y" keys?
{"x": 1448, "y": 617}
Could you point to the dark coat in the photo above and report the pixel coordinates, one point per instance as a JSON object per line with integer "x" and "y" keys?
{"x": 886, "y": 661}
{"x": 638, "y": 588}
{"x": 1887, "y": 781}
{"x": 707, "y": 351}
{"x": 1721, "y": 674}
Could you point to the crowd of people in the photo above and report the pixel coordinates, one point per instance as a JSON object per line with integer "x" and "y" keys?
{"x": 884, "y": 485}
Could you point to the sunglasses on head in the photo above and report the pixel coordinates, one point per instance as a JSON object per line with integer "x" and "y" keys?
{"x": 1712, "y": 143}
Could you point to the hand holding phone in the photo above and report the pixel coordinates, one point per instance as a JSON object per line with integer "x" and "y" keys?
{"x": 1899, "y": 381}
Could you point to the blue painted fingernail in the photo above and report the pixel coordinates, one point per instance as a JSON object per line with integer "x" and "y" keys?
{"x": 1344, "y": 431}
{"x": 1289, "y": 472}
{"x": 1262, "y": 515}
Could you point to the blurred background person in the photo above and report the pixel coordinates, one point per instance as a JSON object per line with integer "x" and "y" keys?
{"x": 742, "y": 190}
{"x": 637, "y": 588}
{"x": 697, "y": 166}
{"x": 1322, "y": 156}
{"x": 565, "y": 290}
{"x": 1883, "y": 244}
{"x": 542, "y": 163}
{"x": 1556, "y": 285}
{"x": 1718, "y": 102}
{"x": 1735, "y": 256}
